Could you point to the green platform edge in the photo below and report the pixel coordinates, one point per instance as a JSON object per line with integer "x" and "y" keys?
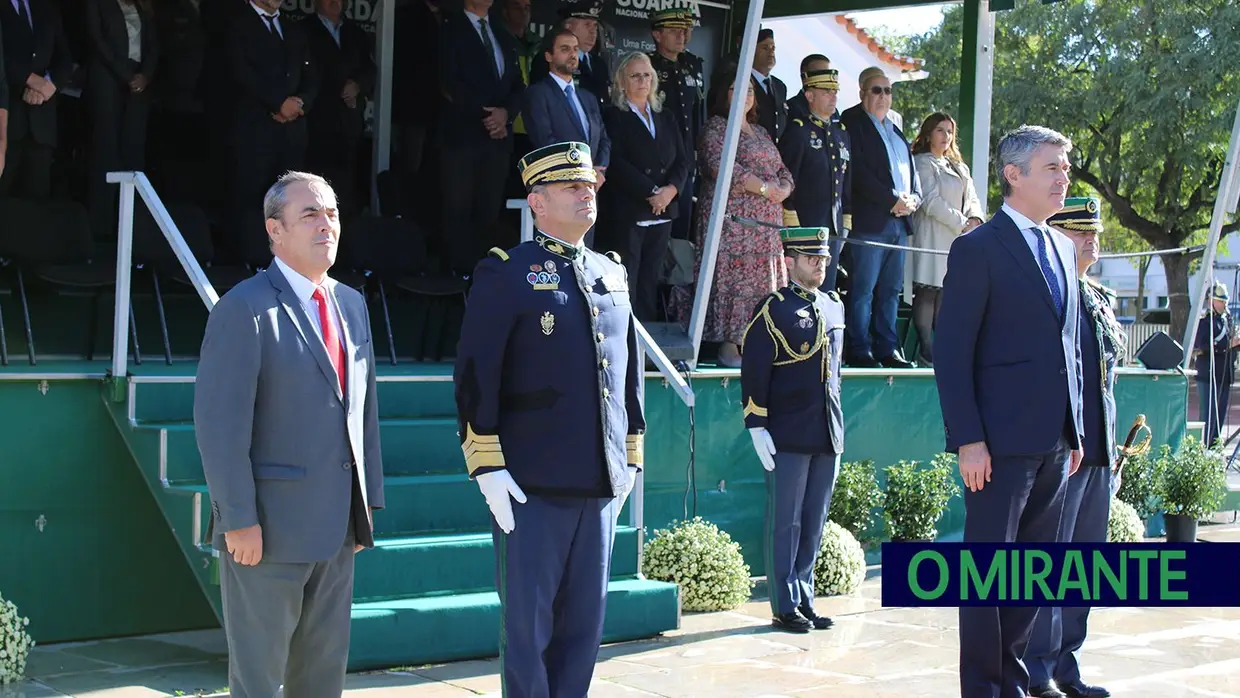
{"x": 106, "y": 562}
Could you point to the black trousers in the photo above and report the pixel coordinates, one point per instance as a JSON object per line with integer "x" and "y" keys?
{"x": 473, "y": 176}
{"x": 642, "y": 249}
{"x": 118, "y": 141}
{"x": 1023, "y": 502}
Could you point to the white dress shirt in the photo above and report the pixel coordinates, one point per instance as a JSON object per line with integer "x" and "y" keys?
{"x": 304, "y": 288}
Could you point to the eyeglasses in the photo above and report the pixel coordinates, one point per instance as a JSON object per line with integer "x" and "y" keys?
{"x": 876, "y": 90}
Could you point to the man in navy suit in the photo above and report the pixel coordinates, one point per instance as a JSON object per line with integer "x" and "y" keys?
{"x": 1008, "y": 367}
{"x": 556, "y": 110}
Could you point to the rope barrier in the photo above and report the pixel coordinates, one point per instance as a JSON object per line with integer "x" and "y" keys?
{"x": 752, "y": 223}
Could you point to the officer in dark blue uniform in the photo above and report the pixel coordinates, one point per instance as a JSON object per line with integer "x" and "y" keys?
{"x": 790, "y": 389}
{"x": 548, "y": 378}
{"x": 683, "y": 88}
{"x": 1215, "y": 349}
{"x": 1053, "y": 653}
{"x": 815, "y": 148}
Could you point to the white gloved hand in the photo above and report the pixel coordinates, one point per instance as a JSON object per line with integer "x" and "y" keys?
{"x": 765, "y": 447}
{"x": 628, "y": 489}
{"x": 497, "y": 487}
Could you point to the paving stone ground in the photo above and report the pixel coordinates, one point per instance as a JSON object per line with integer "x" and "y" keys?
{"x": 872, "y": 652}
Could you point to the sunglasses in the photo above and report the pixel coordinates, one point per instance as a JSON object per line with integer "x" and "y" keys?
{"x": 876, "y": 90}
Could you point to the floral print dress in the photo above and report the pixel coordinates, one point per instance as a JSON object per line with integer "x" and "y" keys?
{"x": 750, "y": 263}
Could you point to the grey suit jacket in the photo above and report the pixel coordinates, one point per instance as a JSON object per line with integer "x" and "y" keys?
{"x": 280, "y": 445}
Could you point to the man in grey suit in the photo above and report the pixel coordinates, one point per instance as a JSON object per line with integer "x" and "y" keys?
{"x": 287, "y": 421}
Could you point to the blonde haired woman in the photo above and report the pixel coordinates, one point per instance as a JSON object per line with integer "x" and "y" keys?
{"x": 649, "y": 165}
{"x": 949, "y": 207}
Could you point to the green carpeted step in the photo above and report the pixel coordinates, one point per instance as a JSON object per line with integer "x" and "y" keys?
{"x": 421, "y": 504}
{"x": 421, "y": 565}
{"x": 415, "y": 446}
{"x": 464, "y": 626}
{"x": 401, "y": 395}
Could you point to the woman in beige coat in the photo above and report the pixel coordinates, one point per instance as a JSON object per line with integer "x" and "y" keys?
{"x": 949, "y": 207}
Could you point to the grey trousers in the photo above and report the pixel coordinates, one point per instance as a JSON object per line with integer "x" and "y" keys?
{"x": 288, "y": 623}
{"x": 1058, "y": 633}
{"x": 798, "y": 497}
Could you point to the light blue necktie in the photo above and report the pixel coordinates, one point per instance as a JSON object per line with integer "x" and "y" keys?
{"x": 1048, "y": 271}
{"x": 571, "y": 93}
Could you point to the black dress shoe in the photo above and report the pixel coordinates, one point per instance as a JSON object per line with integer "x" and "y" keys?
{"x": 862, "y": 361}
{"x": 819, "y": 622}
{"x": 792, "y": 622}
{"x": 1079, "y": 689}
{"x": 1046, "y": 691}
{"x": 896, "y": 361}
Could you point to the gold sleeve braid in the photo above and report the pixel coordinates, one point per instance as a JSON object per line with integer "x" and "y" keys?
{"x": 481, "y": 451}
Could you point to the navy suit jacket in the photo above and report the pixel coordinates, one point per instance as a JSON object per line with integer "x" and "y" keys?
{"x": 872, "y": 185}
{"x": 1008, "y": 369}
{"x": 550, "y": 118}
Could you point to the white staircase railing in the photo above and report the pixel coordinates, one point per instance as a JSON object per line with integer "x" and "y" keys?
{"x": 129, "y": 183}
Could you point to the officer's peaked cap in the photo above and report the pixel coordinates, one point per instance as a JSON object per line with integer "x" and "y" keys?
{"x": 559, "y": 162}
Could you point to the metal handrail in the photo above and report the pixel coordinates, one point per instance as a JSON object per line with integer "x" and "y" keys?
{"x": 129, "y": 182}
{"x": 527, "y": 219}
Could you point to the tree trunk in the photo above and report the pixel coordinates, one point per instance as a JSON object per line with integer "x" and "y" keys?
{"x": 1176, "y": 268}
{"x": 1143, "y": 267}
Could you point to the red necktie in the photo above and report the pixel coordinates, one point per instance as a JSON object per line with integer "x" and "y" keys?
{"x": 335, "y": 350}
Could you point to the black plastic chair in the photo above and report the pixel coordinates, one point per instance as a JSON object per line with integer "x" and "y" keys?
{"x": 392, "y": 251}
{"x": 152, "y": 251}
{"x": 51, "y": 240}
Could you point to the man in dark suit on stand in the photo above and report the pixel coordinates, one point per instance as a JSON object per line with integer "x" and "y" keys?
{"x": 275, "y": 87}
{"x": 1008, "y": 368}
{"x": 36, "y": 65}
{"x": 481, "y": 80}
{"x": 557, "y": 111}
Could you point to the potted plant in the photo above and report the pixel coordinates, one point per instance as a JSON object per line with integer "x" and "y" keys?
{"x": 917, "y": 496}
{"x": 1137, "y": 485}
{"x": 1124, "y": 525}
{"x": 855, "y": 498}
{"x": 840, "y": 565}
{"x": 15, "y": 643}
{"x": 1190, "y": 484}
{"x": 703, "y": 560}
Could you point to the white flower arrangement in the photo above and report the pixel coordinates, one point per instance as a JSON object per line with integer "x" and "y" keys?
{"x": 15, "y": 643}
{"x": 703, "y": 560}
{"x": 1125, "y": 525}
{"x": 840, "y": 567}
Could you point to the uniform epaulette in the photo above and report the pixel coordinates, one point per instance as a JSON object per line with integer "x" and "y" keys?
{"x": 498, "y": 254}
{"x": 775, "y": 295}
{"x": 798, "y": 122}
{"x": 613, "y": 256}
{"x": 1105, "y": 290}
{"x": 834, "y": 295}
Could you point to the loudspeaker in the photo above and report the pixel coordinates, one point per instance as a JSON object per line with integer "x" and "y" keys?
{"x": 1160, "y": 352}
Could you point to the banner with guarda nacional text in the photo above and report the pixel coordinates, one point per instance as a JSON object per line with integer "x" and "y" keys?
{"x": 1061, "y": 574}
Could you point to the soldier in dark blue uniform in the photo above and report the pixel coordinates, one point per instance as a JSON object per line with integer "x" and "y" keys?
{"x": 1215, "y": 349}
{"x": 1052, "y": 656}
{"x": 548, "y": 378}
{"x": 815, "y": 148}
{"x": 683, "y": 88}
{"x": 790, "y": 389}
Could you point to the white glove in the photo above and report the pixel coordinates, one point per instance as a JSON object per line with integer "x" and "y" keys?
{"x": 628, "y": 489}
{"x": 497, "y": 486}
{"x": 765, "y": 447}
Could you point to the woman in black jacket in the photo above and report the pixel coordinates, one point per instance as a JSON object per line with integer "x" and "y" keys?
{"x": 649, "y": 165}
{"x": 123, "y": 56}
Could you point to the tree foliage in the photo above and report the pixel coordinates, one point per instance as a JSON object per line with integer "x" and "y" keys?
{"x": 1146, "y": 89}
